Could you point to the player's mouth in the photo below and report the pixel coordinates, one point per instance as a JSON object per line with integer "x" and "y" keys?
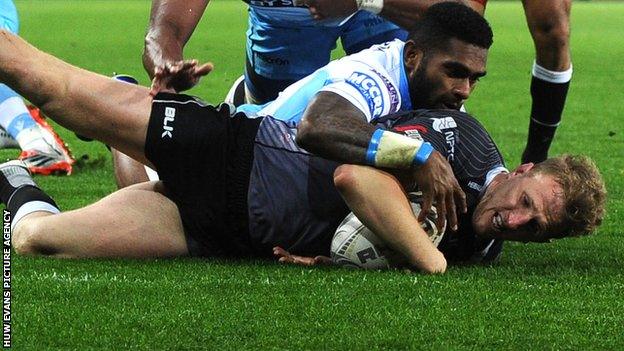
{"x": 497, "y": 222}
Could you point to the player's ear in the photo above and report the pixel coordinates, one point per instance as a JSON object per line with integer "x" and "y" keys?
{"x": 412, "y": 56}
{"x": 523, "y": 168}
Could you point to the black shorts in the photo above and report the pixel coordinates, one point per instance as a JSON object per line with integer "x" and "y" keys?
{"x": 203, "y": 155}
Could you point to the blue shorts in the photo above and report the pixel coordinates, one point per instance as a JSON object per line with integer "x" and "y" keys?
{"x": 281, "y": 55}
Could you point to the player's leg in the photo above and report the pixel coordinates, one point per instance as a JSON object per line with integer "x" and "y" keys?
{"x": 9, "y": 111}
{"x": 138, "y": 221}
{"x": 549, "y": 23}
{"x": 278, "y": 56}
{"x": 92, "y": 105}
{"x": 260, "y": 89}
{"x": 127, "y": 170}
{"x": 365, "y": 29}
{"x": 42, "y": 149}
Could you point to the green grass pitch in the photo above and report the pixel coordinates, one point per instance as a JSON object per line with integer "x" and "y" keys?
{"x": 564, "y": 295}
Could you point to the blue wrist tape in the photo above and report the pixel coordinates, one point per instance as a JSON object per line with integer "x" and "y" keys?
{"x": 373, "y": 145}
{"x": 423, "y": 154}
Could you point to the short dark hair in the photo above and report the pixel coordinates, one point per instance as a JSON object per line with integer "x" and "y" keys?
{"x": 447, "y": 20}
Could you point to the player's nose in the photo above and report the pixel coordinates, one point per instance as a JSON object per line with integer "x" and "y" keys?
{"x": 519, "y": 217}
{"x": 462, "y": 89}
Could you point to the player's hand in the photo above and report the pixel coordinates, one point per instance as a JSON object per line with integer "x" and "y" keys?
{"x": 284, "y": 256}
{"x": 178, "y": 76}
{"x": 324, "y": 9}
{"x": 438, "y": 184}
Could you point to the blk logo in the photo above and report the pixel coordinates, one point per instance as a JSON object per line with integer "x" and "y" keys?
{"x": 167, "y": 123}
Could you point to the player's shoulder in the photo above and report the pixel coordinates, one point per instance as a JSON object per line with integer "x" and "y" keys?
{"x": 388, "y": 54}
{"x": 437, "y": 119}
{"x": 369, "y": 79}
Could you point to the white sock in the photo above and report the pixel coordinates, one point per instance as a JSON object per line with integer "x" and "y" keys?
{"x": 551, "y": 76}
{"x": 30, "y": 207}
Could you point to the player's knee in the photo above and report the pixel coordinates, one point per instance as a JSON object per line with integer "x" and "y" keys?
{"x": 551, "y": 32}
{"x": 554, "y": 38}
{"x": 28, "y": 238}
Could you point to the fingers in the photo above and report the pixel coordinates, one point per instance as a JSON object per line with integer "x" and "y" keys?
{"x": 154, "y": 87}
{"x": 298, "y": 260}
{"x": 177, "y": 76}
{"x": 282, "y": 255}
{"x": 425, "y": 208}
{"x": 460, "y": 199}
{"x": 455, "y": 201}
{"x": 441, "y": 208}
{"x": 451, "y": 217}
{"x": 204, "y": 69}
{"x": 323, "y": 260}
{"x": 286, "y": 257}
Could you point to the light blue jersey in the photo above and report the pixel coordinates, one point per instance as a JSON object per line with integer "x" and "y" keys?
{"x": 373, "y": 80}
{"x": 285, "y": 44}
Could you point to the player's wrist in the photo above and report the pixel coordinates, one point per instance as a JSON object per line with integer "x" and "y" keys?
{"x": 374, "y": 6}
{"x": 387, "y": 149}
{"x": 423, "y": 153}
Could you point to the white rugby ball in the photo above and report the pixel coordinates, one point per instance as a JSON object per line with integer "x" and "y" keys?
{"x": 356, "y": 246}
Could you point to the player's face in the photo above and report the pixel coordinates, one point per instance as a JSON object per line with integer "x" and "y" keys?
{"x": 521, "y": 206}
{"x": 443, "y": 79}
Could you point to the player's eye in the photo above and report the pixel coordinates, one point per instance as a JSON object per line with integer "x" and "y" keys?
{"x": 457, "y": 74}
{"x": 526, "y": 201}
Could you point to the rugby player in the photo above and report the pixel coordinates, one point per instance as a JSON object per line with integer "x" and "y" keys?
{"x": 43, "y": 151}
{"x": 285, "y": 43}
{"x": 266, "y": 180}
{"x": 549, "y": 24}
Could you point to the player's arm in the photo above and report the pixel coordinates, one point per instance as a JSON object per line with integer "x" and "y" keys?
{"x": 171, "y": 24}
{"x": 378, "y": 200}
{"x": 333, "y": 128}
{"x": 402, "y": 12}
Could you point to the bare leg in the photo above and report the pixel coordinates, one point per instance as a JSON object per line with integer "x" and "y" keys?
{"x": 549, "y": 23}
{"x": 93, "y": 105}
{"x": 127, "y": 170}
{"x": 135, "y": 222}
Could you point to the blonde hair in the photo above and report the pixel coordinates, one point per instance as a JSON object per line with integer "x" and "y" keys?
{"x": 584, "y": 193}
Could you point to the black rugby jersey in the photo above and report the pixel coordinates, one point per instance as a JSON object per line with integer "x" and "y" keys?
{"x": 475, "y": 160}
{"x": 293, "y": 202}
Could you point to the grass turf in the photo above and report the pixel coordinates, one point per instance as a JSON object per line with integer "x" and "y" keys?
{"x": 565, "y": 295}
